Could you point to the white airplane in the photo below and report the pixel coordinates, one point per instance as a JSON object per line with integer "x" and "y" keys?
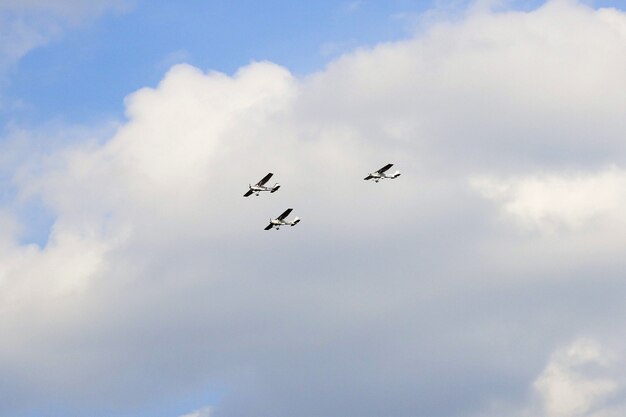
{"x": 380, "y": 174}
{"x": 280, "y": 221}
{"x": 260, "y": 186}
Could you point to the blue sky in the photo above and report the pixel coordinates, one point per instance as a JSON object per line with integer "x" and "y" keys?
{"x": 85, "y": 73}
{"x": 136, "y": 283}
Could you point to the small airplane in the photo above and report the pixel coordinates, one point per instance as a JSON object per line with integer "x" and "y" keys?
{"x": 280, "y": 221}
{"x": 260, "y": 186}
{"x": 380, "y": 174}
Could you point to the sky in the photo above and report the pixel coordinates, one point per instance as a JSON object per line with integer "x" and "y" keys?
{"x": 486, "y": 281}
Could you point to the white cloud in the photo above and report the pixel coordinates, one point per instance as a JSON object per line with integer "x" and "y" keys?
{"x": 500, "y": 90}
{"x": 579, "y": 380}
{"x": 566, "y": 390}
{"x": 158, "y": 277}
{"x": 554, "y": 201}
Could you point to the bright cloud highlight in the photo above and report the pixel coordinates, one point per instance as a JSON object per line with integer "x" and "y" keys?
{"x": 553, "y": 201}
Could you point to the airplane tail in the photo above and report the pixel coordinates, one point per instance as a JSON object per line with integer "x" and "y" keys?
{"x": 275, "y": 188}
{"x": 396, "y": 174}
{"x": 295, "y": 221}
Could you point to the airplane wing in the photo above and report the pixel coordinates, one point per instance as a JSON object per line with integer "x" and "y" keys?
{"x": 385, "y": 168}
{"x": 369, "y": 177}
{"x": 248, "y": 194}
{"x": 269, "y": 226}
{"x": 265, "y": 179}
{"x": 285, "y": 214}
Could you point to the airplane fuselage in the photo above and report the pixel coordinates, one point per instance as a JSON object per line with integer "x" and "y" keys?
{"x": 259, "y": 188}
{"x": 276, "y": 223}
{"x": 256, "y": 189}
{"x": 377, "y": 176}
{"x": 381, "y": 174}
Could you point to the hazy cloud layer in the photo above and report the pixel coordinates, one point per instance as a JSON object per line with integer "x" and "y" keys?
{"x": 421, "y": 296}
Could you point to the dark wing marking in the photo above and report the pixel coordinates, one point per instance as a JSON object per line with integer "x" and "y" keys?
{"x": 269, "y": 226}
{"x": 265, "y": 179}
{"x": 369, "y": 177}
{"x": 385, "y": 168}
{"x": 285, "y": 214}
{"x": 249, "y": 193}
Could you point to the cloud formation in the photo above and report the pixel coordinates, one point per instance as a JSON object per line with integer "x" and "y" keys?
{"x": 411, "y": 297}
{"x": 565, "y": 389}
{"x": 572, "y": 201}
{"x": 581, "y": 379}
